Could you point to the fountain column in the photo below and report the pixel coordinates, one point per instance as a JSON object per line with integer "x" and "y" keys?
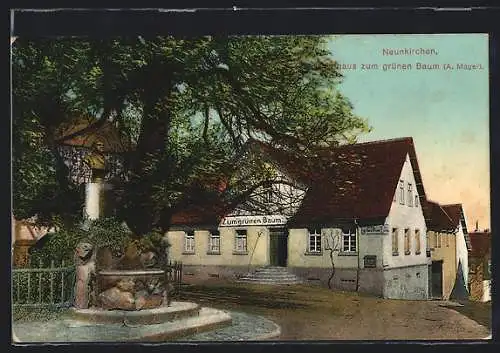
{"x": 95, "y": 199}
{"x": 97, "y": 188}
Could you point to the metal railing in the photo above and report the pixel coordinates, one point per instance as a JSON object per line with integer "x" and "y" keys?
{"x": 53, "y": 286}
{"x": 43, "y": 286}
{"x": 174, "y": 275}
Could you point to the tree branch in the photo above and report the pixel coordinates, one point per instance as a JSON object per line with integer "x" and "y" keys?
{"x": 227, "y": 126}
{"x": 207, "y": 120}
{"x": 258, "y": 118}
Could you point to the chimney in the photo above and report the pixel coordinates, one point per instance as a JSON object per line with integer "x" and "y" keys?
{"x": 477, "y": 226}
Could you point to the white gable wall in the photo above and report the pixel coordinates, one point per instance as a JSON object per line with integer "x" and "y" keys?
{"x": 462, "y": 253}
{"x": 403, "y": 217}
{"x": 285, "y": 199}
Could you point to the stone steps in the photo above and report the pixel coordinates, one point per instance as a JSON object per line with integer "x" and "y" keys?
{"x": 270, "y": 275}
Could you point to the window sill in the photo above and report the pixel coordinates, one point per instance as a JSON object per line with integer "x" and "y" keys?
{"x": 188, "y": 253}
{"x": 348, "y": 253}
{"x": 395, "y": 253}
{"x": 240, "y": 252}
{"x": 213, "y": 252}
{"x": 313, "y": 253}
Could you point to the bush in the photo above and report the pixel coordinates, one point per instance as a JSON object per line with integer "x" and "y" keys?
{"x": 61, "y": 245}
{"x": 102, "y": 232}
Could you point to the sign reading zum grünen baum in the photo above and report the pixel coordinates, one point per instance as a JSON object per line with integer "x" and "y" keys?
{"x": 237, "y": 221}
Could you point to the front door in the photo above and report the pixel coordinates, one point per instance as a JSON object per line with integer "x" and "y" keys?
{"x": 437, "y": 279}
{"x": 278, "y": 247}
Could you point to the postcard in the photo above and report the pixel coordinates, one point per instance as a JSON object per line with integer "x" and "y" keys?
{"x": 251, "y": 188}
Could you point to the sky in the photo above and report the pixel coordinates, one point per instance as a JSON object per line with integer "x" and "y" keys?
{"x": 445, "y": 109}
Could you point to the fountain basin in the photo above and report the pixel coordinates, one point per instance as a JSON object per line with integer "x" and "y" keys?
{"x": 131, "y": 289}
{"x": 176, "y": 311}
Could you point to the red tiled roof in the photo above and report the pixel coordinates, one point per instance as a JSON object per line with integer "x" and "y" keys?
{"x": 437, "y": 219}
{"x": 201, "y": 209}
{"x": 196, "y": 216}
{"x": 348, "y": 182}
{"x": 480, "y": 244}
{"x": 358, "y": 182}
{"x": 456, "y": 213}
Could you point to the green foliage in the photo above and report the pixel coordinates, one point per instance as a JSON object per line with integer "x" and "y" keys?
{"x": 107, "y": 232}
{"x": 190, "y": 105}
{"x": 21, "y": 314}
{"x": 103, "y": 232}
{"x": 57, "y": 246}
{"x": 61, "y": 244}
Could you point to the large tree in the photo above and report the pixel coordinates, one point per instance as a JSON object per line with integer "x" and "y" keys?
{"x": 190, "y": 106}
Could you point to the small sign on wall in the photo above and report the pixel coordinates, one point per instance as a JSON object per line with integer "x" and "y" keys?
{"x": 370, "y": 261}
{"x": 378, "y": 229}
{"x": 238, "y": 221}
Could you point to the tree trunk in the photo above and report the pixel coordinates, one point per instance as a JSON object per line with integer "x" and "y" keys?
{"x": 139, "y": 211}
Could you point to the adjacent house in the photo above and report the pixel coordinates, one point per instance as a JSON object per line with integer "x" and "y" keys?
{"x": 447, "y": 245}
{"x": 462, "y": 246}
{"x": 25, "y": 234}
{"x": 480, "y": 266}
{"x": 360, "y": 203}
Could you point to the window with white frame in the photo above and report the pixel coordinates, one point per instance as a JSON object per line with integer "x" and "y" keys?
{"x": 395, "y": 241}
{"x": 314, "y": 243}
{"x": 410, "y": 195}
{"x": 240, "y": 241}
{"x": 427, "y": 241}
{"x": 349, "y": 240}
{"x": 417, "y": 241}
{"x": 189, "y": 242}
{"x": 416, "y": 200}
{"x": 214, "y": 242}
{"x": 439, "y": 240}
{"x": 402, "y": 192}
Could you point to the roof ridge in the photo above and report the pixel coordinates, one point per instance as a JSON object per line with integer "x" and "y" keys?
{"x": 395, "y": 139}
{"x": 452, "y": 204}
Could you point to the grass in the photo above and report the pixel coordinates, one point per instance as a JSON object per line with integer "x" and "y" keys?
{"x": 24, "y": 314}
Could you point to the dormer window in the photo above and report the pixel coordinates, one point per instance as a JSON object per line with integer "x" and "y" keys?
{"x": 401, "y": 192}
{"x": 268, "y": 195}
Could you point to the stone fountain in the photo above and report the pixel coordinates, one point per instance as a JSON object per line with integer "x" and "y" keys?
{"x": 130, "y": 288}
{"x": 127, "y": 296}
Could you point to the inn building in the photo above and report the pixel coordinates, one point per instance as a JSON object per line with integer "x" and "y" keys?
{"x": 360, "y": 205}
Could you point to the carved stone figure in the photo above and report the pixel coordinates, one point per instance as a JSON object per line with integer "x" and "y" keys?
{"x": 148, "y": 259}
{"x": 85, "y": 273}
{"x": 115, "y": 298}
